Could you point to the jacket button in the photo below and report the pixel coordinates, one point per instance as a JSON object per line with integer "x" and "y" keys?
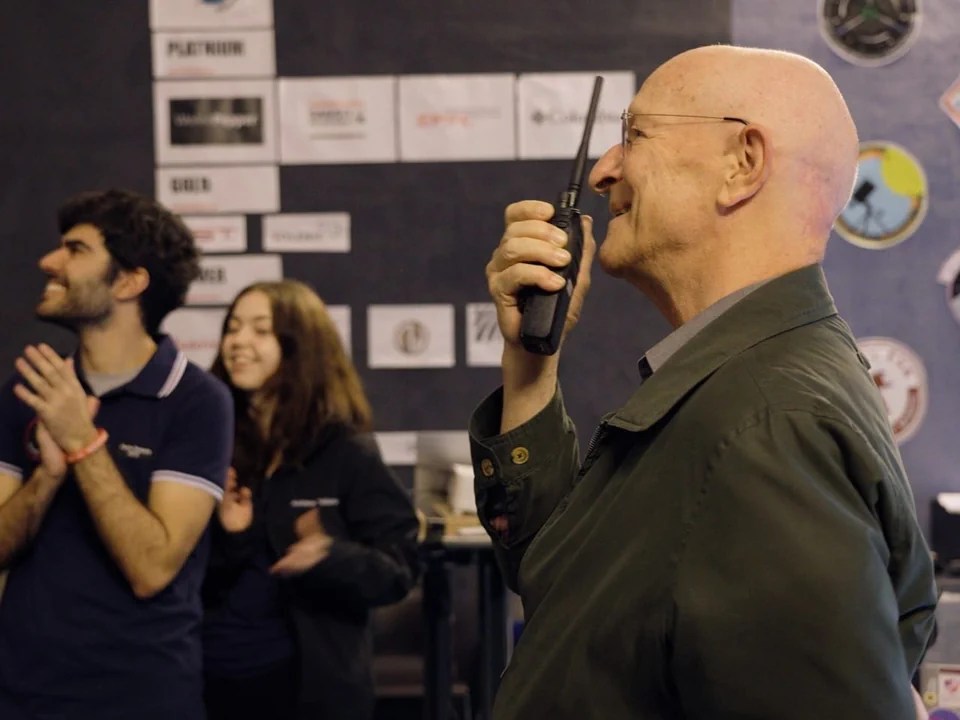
{"x": 486, "y": 467}
{"x": 519, "y": 455}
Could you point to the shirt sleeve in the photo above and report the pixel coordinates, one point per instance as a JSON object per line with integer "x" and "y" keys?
{"x": 16, "y": 422}
{"x": 785, "y": 604}
{"x": 198, "y": 442}
{"x": 521, "y": 475}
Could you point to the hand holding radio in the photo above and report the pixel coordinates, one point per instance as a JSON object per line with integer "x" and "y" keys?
{"x": 533, "y": 253}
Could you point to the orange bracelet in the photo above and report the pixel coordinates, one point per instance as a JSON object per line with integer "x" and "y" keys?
{"x": 90, "y": 449}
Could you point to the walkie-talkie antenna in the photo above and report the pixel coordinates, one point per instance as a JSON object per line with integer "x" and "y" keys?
{"x": 545, "y": 312}
{"x": 572, "y": 195}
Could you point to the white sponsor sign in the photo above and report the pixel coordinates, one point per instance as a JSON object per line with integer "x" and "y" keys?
{"x": 552, "y": 109}
{"x": 484, "y": 341}
{"x": 340, "y": 314}
{"x": 196, "y": 331}
{"x": 337, "y": 120}
{"x": 311, "y": 232}
{"x": 397, "y": 447}
{"x": 240, "y": 53}
{"x": 214, "y": 121}
{"x": 222, "y": 277}
{"x": 218, "y": 233}
{"x": 203, "y": 190}
{"x": 212, "y": 14}
{"x": 407, "y": 336}
{"x": 457, "y": 117}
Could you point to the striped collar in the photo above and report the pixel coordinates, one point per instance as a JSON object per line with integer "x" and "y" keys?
{"x": 159, "y": 377}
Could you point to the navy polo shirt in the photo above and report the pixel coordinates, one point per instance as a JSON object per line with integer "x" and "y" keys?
{"x": 74, "y": 640}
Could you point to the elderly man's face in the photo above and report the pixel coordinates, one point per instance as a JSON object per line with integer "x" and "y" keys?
{"x": 661, "y": 183}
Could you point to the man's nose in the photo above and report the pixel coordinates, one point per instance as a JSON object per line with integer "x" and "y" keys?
{"x": 52, "y": 261}
{"x": 606, "y": 171}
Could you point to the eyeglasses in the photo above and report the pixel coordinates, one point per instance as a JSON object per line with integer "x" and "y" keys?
{"x": 630, "y": 134}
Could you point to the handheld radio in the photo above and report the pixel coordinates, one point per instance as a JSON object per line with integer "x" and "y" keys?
{"x": 545, "y": 313}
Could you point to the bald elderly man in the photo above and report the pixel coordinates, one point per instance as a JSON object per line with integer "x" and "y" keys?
{"x": 740, "y": 540}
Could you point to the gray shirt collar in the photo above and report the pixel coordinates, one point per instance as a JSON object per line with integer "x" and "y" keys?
{"x": 656, "y": 356}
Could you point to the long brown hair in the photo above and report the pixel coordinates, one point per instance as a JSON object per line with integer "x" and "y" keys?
{"x": 314, "y": 392}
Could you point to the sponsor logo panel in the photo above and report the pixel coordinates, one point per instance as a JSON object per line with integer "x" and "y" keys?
{"x": 218, "y": 233}
{"x": 210, "y": 14}
{"x": 484, "y": 341}
{"x": 310, "y": 232}
{"x": 457, "y": 117}
{"x": 409, "y": 336}
{"x": 214, "y": 121}
{"x": 208, "y": 190}
{"x": 552, "y": 110}
{"x": 222, "y": 277}
{"x": 241, "y": 53}
{"x": 337, "y": 120}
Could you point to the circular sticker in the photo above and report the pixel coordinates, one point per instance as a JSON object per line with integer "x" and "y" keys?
{"x": 889, "y": 199}
{"x": 902, "y": 380}
{"x": 870, "y": 32}
{"x": 949, "y": 277}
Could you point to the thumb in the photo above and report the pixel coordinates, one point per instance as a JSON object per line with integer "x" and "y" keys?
{"x": 93, "y": 405}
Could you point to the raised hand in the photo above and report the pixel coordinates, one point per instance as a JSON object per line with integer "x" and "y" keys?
{"x": 312, "y": 547}
{"x": 528, "y": 244}
{"x": 236, "y": 508}
{"x": 57, "y": 397}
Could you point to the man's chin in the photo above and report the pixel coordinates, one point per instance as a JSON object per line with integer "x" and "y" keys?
{"x": 57, "y": 318}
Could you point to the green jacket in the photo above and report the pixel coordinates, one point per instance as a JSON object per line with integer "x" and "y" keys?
{"x": 739, "y": 542}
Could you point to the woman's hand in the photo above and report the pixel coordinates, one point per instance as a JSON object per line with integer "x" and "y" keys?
{"x": 312, "y": 547}
{"x": 236, "y": 508}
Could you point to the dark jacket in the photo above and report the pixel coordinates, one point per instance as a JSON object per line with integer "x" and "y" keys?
{"x": 373, "y": 561}
{"x": 739, "y": 542}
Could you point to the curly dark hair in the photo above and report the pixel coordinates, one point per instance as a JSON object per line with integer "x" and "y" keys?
{"x": 138, "y": 232}
{"x": 316, "y": 389}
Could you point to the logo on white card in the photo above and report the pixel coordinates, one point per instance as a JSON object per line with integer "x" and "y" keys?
{"x": 343, "y": 119}
{"x": 484, "y": 341}
{"x": 208, "y": 190}
{"x": 216, "y": 121}
{"x": 899, "y": 374}
{"x": 218, "y": 5}
{"x": 309, "y": 232}
{"x": 411, "y": 337}
{"x": 218, "y": 233}
{"x": 216, "y": 48}
{"x": 457, "y": 117}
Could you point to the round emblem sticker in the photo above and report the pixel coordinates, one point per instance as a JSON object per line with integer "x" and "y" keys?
{"x": 949, "y": 277}
{"x": 870, "y": 32}
{"x": 902, "y": 380}
{"x": 889, "y": 199}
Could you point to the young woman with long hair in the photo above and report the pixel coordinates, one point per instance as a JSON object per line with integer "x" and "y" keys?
{"x": 314, "y": 529}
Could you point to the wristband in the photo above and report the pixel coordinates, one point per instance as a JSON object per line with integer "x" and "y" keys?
{"x": 98, "y": 442}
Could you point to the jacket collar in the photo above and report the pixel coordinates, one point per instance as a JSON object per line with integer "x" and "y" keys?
{"x": 790, "y": 301}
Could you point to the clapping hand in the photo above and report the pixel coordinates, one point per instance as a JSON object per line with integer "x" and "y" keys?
{"x": 312, "y": 547}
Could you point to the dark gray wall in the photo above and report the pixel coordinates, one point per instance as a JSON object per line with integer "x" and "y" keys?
{"x": 76, "y": 84}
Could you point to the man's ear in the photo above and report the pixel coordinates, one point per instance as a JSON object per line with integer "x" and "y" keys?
{"x": 747, "y": 170}
{"x": 130, "y": 284}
